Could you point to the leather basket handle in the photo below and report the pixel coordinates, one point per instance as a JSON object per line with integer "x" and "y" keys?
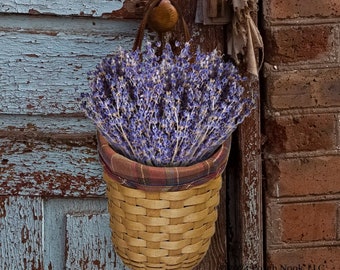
{"x": 150, "y": 5}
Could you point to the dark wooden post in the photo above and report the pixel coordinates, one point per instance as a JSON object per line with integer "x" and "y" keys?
{"x": 244, "y": 196}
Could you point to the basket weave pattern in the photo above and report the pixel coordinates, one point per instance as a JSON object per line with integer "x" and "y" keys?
{"x": 162, "y": 230}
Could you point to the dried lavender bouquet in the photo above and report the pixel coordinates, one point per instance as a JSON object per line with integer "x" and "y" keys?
{"x": 168, "y": 109}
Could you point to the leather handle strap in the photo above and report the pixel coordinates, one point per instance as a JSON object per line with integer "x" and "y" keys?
{"x": 150, "y": 5}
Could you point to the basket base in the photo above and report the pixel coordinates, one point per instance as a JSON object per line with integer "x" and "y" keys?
{"x": 162, "y": 230}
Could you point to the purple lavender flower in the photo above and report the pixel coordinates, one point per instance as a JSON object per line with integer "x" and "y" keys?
{"x": 168, "y": 109}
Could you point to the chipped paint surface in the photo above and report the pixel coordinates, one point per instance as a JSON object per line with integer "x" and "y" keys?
{"x": 39, "y": 168}
{"x": 251, "y": 192}
{"x": 89, "y": 244}
{"x": 45, "y": 60}
{"x": 49, "y": 156}
{"x": 20, "y": 233}
{"x": 48, "y": 148}
{"x": 61, "y": 7}
{"x": 55, "y": 234}
{"x": 38, "y": 126}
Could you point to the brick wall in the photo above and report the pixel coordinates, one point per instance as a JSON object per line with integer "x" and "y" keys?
{"x": 302, "y": 129}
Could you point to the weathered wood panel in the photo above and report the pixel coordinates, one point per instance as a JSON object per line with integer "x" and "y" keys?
{"x": 56, "y": 238}
{"x": 251, "y": 190}
{"x": 45, "y": 60}
{"x": 49, "y": 156}
{"x": 44, "y": 168}
{"x": 20, "y": 233}
{"x": 56, "y": 127}
{"x": 61, "y": 7}
{"x": 88, "y": 244}
{"x": 46, "y": 149}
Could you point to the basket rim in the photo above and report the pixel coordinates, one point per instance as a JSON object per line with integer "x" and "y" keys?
{"x": 136, "y": 175}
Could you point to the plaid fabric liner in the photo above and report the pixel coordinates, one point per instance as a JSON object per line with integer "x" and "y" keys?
{"x": 136, "y": 175}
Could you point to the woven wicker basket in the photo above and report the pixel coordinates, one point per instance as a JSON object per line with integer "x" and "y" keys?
{"x": 162, "y": 230}
{"x": 154, "y": 227}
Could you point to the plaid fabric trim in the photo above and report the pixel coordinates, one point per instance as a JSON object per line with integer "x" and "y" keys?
{"x": 136, "y": 175}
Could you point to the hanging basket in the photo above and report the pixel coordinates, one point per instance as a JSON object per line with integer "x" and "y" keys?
{"x": 161, "y": 217}
{"x": 160, "y": 226}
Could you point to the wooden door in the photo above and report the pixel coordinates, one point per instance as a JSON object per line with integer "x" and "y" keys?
{"x": 53, "y": 210}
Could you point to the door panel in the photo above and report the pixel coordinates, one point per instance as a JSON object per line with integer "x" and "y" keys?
{"x": 77, "y": 235}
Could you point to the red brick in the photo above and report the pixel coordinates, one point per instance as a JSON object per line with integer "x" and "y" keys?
{"x": 290, "y": 9}
{"x": 318, "y": 258}
{"x": 303, "y": 176}
{"x": 292, "y": 44}
{"x": 312, "y": 88}
{"x": 301, "y": 133}
{"x": 308, "y": 222}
